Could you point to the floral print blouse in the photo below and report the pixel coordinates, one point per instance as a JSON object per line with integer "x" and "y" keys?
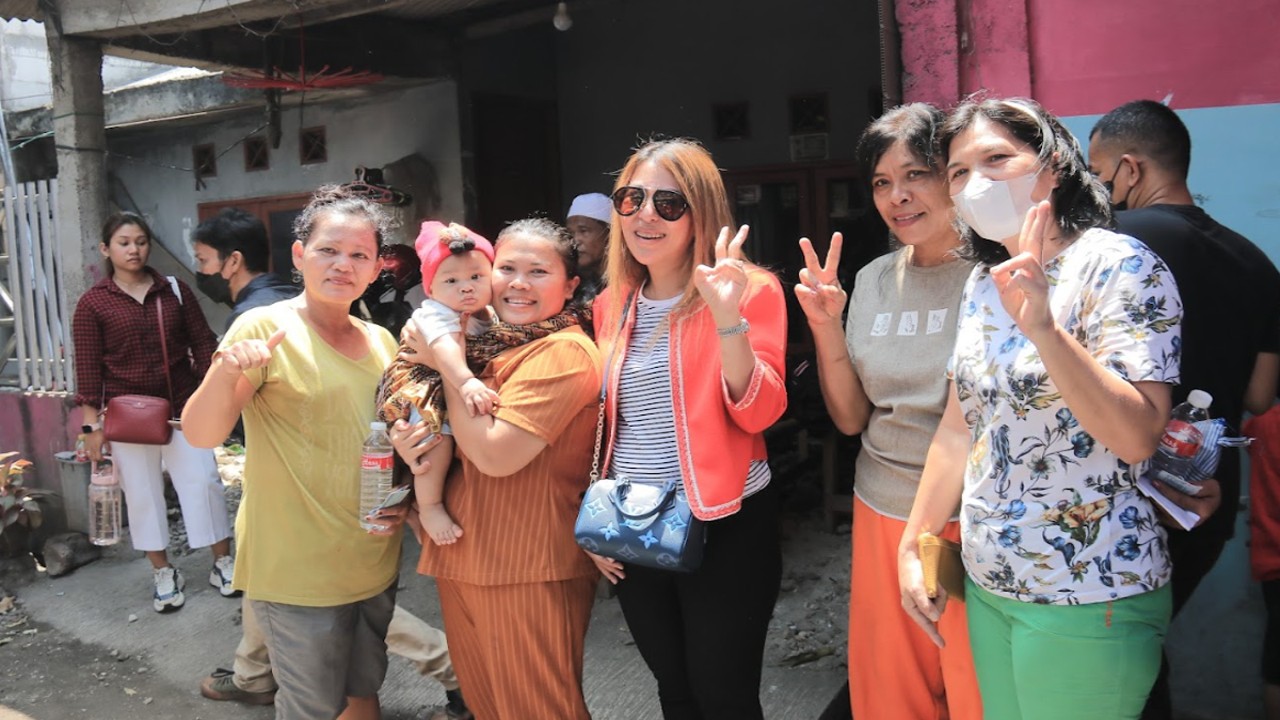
{"x": 1049, "y": 515}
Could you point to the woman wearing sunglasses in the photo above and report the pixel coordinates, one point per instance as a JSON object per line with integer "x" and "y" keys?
{"x": 695, "y": 338}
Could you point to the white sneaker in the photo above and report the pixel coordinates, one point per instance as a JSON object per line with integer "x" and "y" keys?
{"x": 168, "y": 594}
{"x": 220, "y": 576}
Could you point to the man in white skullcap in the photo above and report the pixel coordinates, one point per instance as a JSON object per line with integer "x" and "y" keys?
{"x": 588, "y": 220}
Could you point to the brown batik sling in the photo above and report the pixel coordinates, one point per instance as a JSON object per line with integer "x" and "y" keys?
{"x": 407, "y": 384}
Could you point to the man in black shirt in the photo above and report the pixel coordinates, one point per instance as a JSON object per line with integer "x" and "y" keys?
{"x": 232, "y": 253}
{"x": 1231, "y": 307}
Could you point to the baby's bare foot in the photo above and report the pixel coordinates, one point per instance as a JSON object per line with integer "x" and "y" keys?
{"x": 436, "y": 521}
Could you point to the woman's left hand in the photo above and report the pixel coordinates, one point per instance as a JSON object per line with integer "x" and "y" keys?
{"x": 389, "y": 520}
{"x": 721, "y": 287}
{"x": 1204, "y": 503}
{"x": 1020, "y": 280}
{"x": 412, "y": 443}
{"x": 417, "y": 350}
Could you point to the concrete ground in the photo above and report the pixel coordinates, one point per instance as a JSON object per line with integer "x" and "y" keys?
{"x": 116, "y": 668}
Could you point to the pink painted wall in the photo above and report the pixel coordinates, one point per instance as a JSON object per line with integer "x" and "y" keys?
{"x": 1088, "y": 56}
{"x": 993, "y": 47}
{"x": 951, "y": 48}
{"x": 37, "y": 425}
{"x": 930, "y": 50}
{"x": 1092, "y": 55}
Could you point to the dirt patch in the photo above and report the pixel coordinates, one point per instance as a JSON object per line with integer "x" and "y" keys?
{"x": 811, "y": 618}
{"x": 53, "y": 675}
{"x": 58, "y": 677}
{"x": 49, "y": 674}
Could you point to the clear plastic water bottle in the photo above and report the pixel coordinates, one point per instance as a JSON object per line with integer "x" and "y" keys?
{"x": 1172, "y": 463}
{"x": 104, "y": 504}
{"x": 376, "y": 463}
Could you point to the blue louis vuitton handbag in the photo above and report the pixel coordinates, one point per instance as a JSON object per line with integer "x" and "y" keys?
{"x": 640, "y": 524}
{"x": 637, "y": 523}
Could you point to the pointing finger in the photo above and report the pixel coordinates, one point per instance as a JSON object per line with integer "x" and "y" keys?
{"x": 276, "y": 338}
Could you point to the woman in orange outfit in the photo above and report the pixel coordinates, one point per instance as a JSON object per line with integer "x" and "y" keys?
{"x": 883, "y": 375}
{"x": 515, "y": 590}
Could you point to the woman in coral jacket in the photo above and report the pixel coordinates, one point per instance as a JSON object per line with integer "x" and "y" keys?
{"x": 694, "y": 369}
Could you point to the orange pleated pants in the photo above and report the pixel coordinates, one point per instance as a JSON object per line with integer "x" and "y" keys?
{"x": 517, "y": 649}
{"x": 895, "y": 670}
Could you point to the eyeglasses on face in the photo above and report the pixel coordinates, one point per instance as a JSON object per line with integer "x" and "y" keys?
{"x": 669, "y": 204}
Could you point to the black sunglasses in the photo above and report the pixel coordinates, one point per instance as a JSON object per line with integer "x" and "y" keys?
{"x": 669, "y": 204}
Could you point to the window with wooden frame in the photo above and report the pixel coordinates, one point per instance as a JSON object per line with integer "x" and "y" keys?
{"x": 312, "y": 147}
{"x": 256, "y": 154}
{"x": 205, "y": 160}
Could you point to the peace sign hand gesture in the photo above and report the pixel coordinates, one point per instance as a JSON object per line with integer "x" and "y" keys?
{"x": 819, "y": 291}
{"x": 722, "y": 286}
{"x": 1020, "y": 280}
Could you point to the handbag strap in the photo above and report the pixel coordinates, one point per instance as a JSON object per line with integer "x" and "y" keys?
{"x": 164, "y": 350}
{"x": 604, "y": 383}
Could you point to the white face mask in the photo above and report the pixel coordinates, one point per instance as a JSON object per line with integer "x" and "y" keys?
{"x": 995, "y": 209}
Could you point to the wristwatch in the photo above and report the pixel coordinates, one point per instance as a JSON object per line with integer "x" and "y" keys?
{"x": 90, "y": 428}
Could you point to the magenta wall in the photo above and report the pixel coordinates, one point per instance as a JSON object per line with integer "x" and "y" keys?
{"x": 1088, "y": 56}
{"x": 37, "y": 425}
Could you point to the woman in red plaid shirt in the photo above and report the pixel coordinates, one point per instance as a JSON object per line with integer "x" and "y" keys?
{"x": 118, "y": 352}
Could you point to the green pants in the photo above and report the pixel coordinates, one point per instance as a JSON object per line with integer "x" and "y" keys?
{"x": 1045, "y": 662}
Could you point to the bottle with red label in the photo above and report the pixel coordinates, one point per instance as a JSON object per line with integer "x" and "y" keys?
{"x": 376, "y": 464}
{"x": 1172, "y": 462}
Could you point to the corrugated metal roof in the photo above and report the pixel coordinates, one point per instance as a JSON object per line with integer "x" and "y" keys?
{"x": 20, "y": 10}
{"x": 405, "y": 10}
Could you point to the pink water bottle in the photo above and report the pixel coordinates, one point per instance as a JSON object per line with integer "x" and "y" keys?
{"x": 104, "y": 504}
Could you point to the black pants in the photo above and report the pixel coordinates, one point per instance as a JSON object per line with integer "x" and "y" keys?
{"x": 1193, "y": 555}
{"x": 702, "y": 634}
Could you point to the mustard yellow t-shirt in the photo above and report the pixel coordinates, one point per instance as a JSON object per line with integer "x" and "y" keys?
{"x": 298, "y": 530}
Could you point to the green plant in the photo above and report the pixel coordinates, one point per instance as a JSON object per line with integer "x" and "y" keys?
{"x": 19, "y": 510}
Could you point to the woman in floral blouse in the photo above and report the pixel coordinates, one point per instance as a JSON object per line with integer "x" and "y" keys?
{"x": 1067, "y": 343}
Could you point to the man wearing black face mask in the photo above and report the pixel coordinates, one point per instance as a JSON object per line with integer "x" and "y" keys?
{"x": 1231, "y": 308}
{"x": 232, "y": 251}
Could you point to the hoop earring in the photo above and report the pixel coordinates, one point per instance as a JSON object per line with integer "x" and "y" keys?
{"x": 296, "y": 276}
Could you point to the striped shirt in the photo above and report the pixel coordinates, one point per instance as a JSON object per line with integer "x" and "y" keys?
{"x": 644, "y": 447}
